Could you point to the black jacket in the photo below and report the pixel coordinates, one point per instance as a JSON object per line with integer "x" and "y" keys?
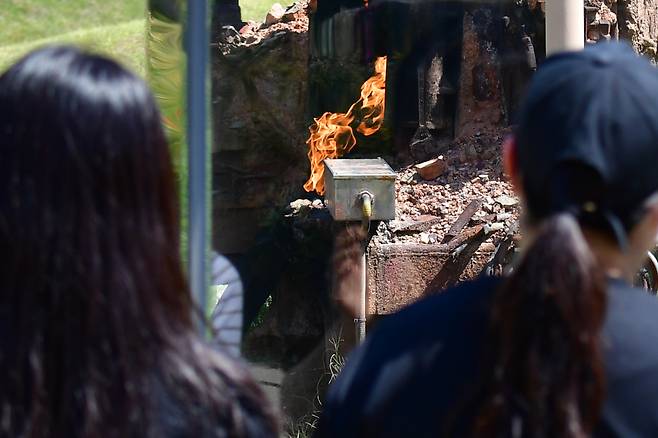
{"x": 416, "y": 367}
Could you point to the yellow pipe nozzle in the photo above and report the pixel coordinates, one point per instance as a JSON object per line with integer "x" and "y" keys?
{"x": 366, "y": 205}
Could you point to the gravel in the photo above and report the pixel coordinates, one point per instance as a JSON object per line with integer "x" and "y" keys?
{"x": 474, "y": 172}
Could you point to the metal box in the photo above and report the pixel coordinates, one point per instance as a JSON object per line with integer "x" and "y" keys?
{"x": 347, "y": 179}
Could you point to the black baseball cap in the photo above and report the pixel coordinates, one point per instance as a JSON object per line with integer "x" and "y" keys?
{"x": 587, "y": 137}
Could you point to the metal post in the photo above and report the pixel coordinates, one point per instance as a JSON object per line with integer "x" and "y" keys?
{"x": 197, "y": 48}
{"x": 565, "y": 25}
{"x": 360, "y": 320}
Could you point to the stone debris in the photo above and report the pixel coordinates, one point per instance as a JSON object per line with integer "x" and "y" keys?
{"x": 302, "y": 207}
{"x": 279, "y": 20}
{"x": 274, "y": 15}
{"x": 427, "y": 208}
{"x": 432, "y": 169}
{"x": 507, "y": 201}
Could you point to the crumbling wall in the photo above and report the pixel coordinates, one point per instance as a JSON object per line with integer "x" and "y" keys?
{"x": 638, "y": 23}
{"x": 260, "y": 114}
{"x": 480, "y": 98}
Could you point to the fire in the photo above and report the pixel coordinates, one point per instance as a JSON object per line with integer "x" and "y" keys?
{"x": 331, "y": 135}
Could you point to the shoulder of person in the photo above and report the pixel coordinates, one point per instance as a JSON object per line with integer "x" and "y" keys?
{"x": 225, "y": 401}
{"x": 403, "y": 347}
{"x": 630, "y": 348}
{"x": 425, "y": 319}
{"x": 630, "y": 333}
{"x": 451, "y": 305}
{"x": 631, "y": 321}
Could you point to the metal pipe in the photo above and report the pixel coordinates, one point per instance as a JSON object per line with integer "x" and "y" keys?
{"x": 565, "y": 26}
{"x": 360, "y": 321}
{"x": 197, "y": 48}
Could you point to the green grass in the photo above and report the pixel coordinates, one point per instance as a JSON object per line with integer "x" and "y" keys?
{"x": 113, "y": 27}
{"x": 124, "y": 42}
{"x": 255, "y": 10}
{"x": 28, "y": 20}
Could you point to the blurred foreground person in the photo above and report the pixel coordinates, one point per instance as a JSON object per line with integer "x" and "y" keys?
{"x": 97, "y": 335}
{"x": 564, "y": 347}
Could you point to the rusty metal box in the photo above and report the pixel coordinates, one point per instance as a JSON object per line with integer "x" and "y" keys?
{"x": 347, "y": 179}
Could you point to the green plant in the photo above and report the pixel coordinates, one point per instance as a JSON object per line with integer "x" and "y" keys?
{"x": 336, "y": 360}
{"x": 306, "y": 426}
{"x": 260, "y": 317}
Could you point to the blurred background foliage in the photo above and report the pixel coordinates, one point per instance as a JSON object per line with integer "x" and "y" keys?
{"x": 116, "y": 28}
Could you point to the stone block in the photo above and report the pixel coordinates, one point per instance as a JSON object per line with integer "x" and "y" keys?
{"x": 432, "y": 169}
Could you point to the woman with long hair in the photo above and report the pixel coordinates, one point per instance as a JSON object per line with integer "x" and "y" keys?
{"x": 97, "y": 333}
{"x": 564, "y": 346}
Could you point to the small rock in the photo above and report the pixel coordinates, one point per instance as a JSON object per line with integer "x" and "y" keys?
{"x": 432, "y": 169}
{"x": 250, "y": 26}
{"x": 275, "y": 14}
{"x": 506, "y": 201}
{"x": 501, "y": 217}
{"x": 293, "y": 13}
{"x": 300, "y": 205}
{"x": 487, "y": 247}
{"x": 492, "y": 228}
{"x": 484, "y": 177}
{"x": 425, "y": 238}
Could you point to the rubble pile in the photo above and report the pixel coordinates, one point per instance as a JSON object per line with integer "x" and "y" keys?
{"x": 470, "y": 170}
{"x": 449, "y": 195}
{"x": 278, "y": 20}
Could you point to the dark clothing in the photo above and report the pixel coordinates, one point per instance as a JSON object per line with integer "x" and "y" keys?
{"x": 177, "y": 419}
{"x": 419, "y": 365}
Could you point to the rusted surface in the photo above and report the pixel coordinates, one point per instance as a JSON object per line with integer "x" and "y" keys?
{"x": 454, "y": 266}
{"x": 399, "y": 274}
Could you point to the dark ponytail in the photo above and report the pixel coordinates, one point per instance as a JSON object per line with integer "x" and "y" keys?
{"x": 545, "y": 374}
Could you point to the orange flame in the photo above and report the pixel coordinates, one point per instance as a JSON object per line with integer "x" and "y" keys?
{"x": 331, "y": 135}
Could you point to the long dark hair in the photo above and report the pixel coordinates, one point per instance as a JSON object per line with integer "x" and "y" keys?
{"x": 583, "y": 143}
{"x": 544, "y": 374}
{"x": 96, "y": 329}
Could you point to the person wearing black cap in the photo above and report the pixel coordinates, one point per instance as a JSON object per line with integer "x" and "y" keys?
{"x": 564, "y": 346}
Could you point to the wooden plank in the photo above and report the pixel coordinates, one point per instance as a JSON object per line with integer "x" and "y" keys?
{"x": 454, "y": 266}
{"x": 462, "y": 220}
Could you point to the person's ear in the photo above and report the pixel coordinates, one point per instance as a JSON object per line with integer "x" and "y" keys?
{"x": 651, "y": 215}
{"x": 510, "y": 162}
{"x": 645, "y": 232}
